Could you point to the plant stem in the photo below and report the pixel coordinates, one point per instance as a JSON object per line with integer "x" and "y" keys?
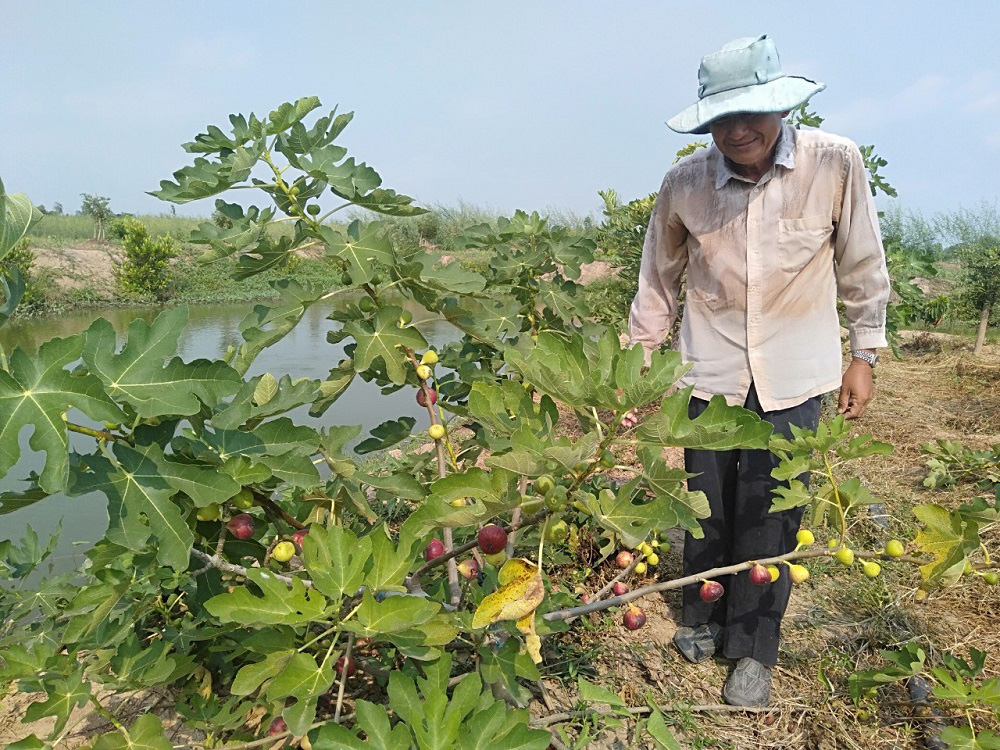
{"x": 96, "y": 434}
{"x": 343, "y": 678}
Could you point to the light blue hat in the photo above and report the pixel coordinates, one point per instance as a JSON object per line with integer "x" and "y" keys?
{"x": 744, "y": 76}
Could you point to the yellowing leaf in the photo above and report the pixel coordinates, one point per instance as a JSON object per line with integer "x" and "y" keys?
{"x": 949, "y": 539}
{"x": 531, "y": 641}
{"x": 521, "y": 591}
{"x": 265, "y": 390}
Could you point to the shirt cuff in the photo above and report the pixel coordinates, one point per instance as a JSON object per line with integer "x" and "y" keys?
{"x": 868, "y": 338}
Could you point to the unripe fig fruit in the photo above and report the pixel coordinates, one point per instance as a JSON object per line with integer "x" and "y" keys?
{"x": 111, "y": 425}
{"x": 244, "y": 499}
{"x": 469, "y": 568}
{"x": 431, "y": 396}
{"x": 711, "y": 591}
{"x": 352, "y": 666}
{"x": 492, "y": 539}
{"x": 423, "y": 372}
{"x": 991, "y": 578}
{"x": 805, "y": 537}
{"x": 278, "y": 726}
{"x": 968, "y": 569}
{"x": 871, "y": 568}
{"x": 430, "y": 358}
{"x": 774, "y": 572}
{"x": 436, "y": 431}
{"x": 544, "y": 484}
{"x": 313, "y": 209}
{"x": 241, "y": 526}
{"x": 624, "y": 559}
{"x": 367, "y": 304}
{"x": 653, "y": 559}
{"x": 894, "y": 548}
{"x": 640, "y": 568}
{"x": 759, "y": 575}
{"x": 645, "y": 549}
{"x": 283, "y": 551}
{"x": 459, "y": 502}
{"x": 845, "y": 555}
{"x": 210, "y": 512}
{"x": 556, "y": 532}
{"x": 434, "y": 549}
{"x": 634, "y": 618}
{"x": 531, "y": 504}
{"x": 497, "y": 559}
{"x": 620, "y": 588}
{"x": 798, "y": 573}
{"x": 607, "y": 459}
{"x": 831, "y": 543}
{"x": 655, "y": 543}
{"x": 298, "y": 536}
{"x": 405, "y": 318}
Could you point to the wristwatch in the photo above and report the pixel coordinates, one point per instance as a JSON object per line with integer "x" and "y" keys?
{"x": 870, "y": 357}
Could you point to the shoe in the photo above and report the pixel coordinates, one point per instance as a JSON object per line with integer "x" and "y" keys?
{"x": 749, "y": 684}
{"x": 700, "y": 642}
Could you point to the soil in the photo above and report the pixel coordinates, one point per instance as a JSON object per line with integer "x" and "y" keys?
{"x": 836, "y": 623}
{"x": 86, "y": 264}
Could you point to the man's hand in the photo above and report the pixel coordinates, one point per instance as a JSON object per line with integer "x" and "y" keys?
{"x": 856, "y": 390}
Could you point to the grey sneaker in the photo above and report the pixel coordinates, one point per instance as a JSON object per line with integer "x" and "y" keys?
{"x": 700, "y": 642}
{"x": 749, "y": 684}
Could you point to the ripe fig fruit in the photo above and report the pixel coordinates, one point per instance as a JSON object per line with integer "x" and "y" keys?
{"x": 624, "y": 559}
{"x": 774, "y": 572}
{"x": 871, "y": 568}
{"x": 492, "y": 539}
{"x": 845, "y": 555}
{"x": 759, "y": 575}
{"x": 210, "y": 512}
{"x": 497, "y": 559}
{"x": 298, "y": 536}
{"x": 711, "y": 591}
{"x": 241, "y": 526}
{"x": 423, "y": 372}
{"x": 469, "y": 568}
{"x": 434, "y": 549}
{"x": 278, "y": 726}
{"x": 894, "y": 548}
{"x": 244, "y": 499}
{"x": 805, "y": 537}
{"x": 283, "y": 551}
{"x": 352, "y": 667}
{"x": 653, "y": 559}
{"x": 620, "y": 588}
{"x": 640, "y": 569}
{"x": 430, "y": 358}
{"x": 431, "y": 396}
{"x": 436, "y": 431}
{"x": 585, "y": 598}
{"x": 634, "y": 618}
{"x": 798, "y": 573}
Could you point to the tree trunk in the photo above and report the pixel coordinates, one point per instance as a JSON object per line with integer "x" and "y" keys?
{"x": 984, "y": 321}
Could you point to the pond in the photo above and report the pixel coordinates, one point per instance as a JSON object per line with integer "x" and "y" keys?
{"x": 305, "y": 352}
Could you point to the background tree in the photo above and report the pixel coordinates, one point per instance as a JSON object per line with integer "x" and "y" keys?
{"x": 98, "y": 208}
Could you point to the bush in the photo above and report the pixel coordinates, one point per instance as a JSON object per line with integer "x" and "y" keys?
{"x": 121, "y": 226}
{"x": 144, "y": 270}
{"x": 22, "y": 257}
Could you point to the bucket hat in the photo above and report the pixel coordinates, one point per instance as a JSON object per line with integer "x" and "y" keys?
{"x": 744, "y": 76}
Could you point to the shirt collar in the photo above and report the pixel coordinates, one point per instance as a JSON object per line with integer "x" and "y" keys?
{"x": 784, "y": 154}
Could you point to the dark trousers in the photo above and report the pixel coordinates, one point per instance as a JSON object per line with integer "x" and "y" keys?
{"x": 738, "y": 484}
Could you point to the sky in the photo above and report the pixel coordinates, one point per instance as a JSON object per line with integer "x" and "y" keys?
{"x": 504, "y": 105}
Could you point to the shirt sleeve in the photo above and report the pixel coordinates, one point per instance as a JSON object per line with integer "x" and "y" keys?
{"x": 664, "y": 258}
{"x": 862, "y": 278}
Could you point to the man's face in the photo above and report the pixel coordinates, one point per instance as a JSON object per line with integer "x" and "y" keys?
{"x": 747, "y": 139}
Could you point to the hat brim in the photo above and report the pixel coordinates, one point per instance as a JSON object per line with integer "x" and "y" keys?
{"x": 779, "y": 95}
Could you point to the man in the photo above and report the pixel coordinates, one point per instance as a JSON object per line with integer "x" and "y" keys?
{"x": 769, "y": 224}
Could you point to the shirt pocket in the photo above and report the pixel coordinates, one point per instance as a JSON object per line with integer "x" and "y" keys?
{"x": 799, "y": 240}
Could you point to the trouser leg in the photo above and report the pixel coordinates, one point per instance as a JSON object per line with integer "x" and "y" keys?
{"x": 716, "y": 477}
{"x": 753, "y": 613}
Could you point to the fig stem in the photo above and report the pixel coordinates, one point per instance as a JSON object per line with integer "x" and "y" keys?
{"x": 343, "y": 678}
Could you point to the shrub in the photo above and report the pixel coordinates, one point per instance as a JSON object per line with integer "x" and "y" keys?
{"x": 144, "y": 269}
{"x": 121, "y": 226}
{"x": 22, "y": 257}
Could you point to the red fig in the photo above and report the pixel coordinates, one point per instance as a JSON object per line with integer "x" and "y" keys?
{"x": 760, "y": 575}
{"x": 352, "y": 667}
{"x": 469, "y": 568}
{"x": 624, "y": 559}
{"x": 492, "y": 539}
{"x": 585, "y": 598}
{"x": 298, "y": 536}
{"x": 278, "y": 726}
{"x": 422, "y": 399}
{"x": 634, "y": 618}
{"x": 434, "y": 549}
{"x": 713, "y": 590}
{"x": 241, "y": 526}
{"x": 620, "y": 588}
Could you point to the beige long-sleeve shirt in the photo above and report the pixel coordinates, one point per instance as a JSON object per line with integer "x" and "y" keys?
{"x": 765, "y": 262}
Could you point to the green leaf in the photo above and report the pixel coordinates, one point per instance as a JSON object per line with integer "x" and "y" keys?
{"x": 360, "y": 248}
{"x": 390, "y": 561}
{"x": 333, "y": 387}
{"x": 259, "y": 398}
{"x": 908, "y": 662}
{"x": 505, "y": 407}
{"x": 383, "y": 340}
{"x": 145, "y": 734}
{"x": 140, "y": 503}
{"x": 205, "y": 178}
{"x": 719, "y": 427}
{"x": 374, "y": 721}
{"x": 590, "y": 693}
{"x": 305, "y": 681}
{"x": 667, "y": 485}
{"x": 657, "y": 729}
{"x": 265, "y": 326}
{"x": 961, "y": 738}
{"x": 453, "y": 277}
{"x": 245, "y": 234}
{"x": 35, "y": 391}
{"x": 336, "y": 560}
{"x": 17, "y": 214}
{"x": 13, "y": 290}
{"x": 394, "y": 614}
{"x": 278, "y": 605}
{"x": 203, "y": 484}
{"x": 488, "y": 321}
{"x": 332, "y": 443}
{"x": 31, "y": 742}
{"x": 381, "y": 200}
{"x": 252, "y": 676}
{"x": 795, "y": 495}
{"x": 947, "y": 537}
{"x": 386, "y": 435}
{"x": 288, "y": 114}
{"x": 62, "y": 696}
{"x": 138, "y": 376}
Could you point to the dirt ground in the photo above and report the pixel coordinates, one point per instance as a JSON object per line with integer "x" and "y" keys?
{"x": 836, "y": 623}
